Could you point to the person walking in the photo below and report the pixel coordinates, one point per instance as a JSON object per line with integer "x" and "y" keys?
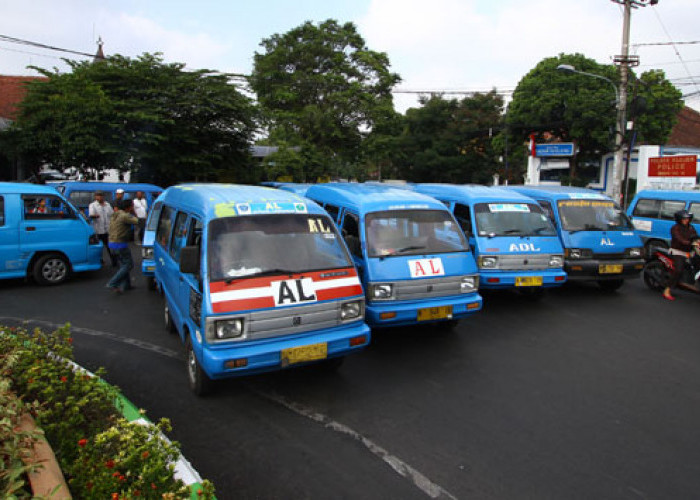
{"x": 119, "y": 232}
{"x": 141, "y": 211}
{"x": 100, "y": 213}
{"x": 682, "y": 236}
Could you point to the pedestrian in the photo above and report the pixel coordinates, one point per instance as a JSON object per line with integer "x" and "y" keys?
{"x": 100, "y": 213}
{"x": 119, "y": 232}
{"x": 141, "y": 211}
{"x": 682, "y": 236}
{"x": 118, "y": 196}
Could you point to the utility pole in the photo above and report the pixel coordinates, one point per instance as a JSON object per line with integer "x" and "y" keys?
{"x": 624, "y": 61}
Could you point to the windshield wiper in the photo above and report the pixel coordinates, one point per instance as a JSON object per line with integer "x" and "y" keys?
{"x": 269, "y": 272}
{"x": 511, "y": 231}
{"x": 401, "y": 250}
{"x": 587, "y": 227}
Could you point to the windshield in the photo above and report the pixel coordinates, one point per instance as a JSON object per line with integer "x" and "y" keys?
{"x": 512, "y": 219}
{"x": 412, "y": 232}
{"x": 592, "y": 215}
{"x": 244, "y": 247}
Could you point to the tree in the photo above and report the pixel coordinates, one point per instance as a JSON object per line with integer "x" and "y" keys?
{"x": 322, "y": 89}
{"x": 157, "y": 120}
{"x": 451, "y": 140}
{"x": 580, "y": 108}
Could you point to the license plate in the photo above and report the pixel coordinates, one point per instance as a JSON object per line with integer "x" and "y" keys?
{"x": 150, "y": 268}
{"x": 304, "y": 353}
{"x": 430, "y": 313}
{"x": 610, "y": 268}
{"x": 528, "y": 281}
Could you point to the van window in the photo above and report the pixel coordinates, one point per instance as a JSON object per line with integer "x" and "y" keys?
{"x": 332, "y": 210}
{"x": 351, "y": 233}
{"x": 38, "y": 207}
{"x": 463, "y": 215}
{"x": 84, "y": 198}
{"x": 154, "y": 217}
{"x": 592, "y": 215}
{"x": 2, "y": 211}
{"x": 164, "y": 227}
{"x": 179, "y": 237}
{"x": 695, "y": 210}
{"x": 243, "y": 247}
{"x": 669, "y": 208}
{"x": 647, "y": 208}
{"x": 512, "y": 219}
{"x": 412, "y": 232}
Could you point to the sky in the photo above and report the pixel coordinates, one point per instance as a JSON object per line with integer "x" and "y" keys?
{"x": 457, "y": 45}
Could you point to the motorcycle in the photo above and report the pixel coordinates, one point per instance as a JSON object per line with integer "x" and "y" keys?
{"x": 659, "y": 268}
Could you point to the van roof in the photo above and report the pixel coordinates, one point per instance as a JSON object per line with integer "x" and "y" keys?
{"x": 109, "y": 186}
{"x": 371, "y": 197}
{"x": 668, "y": 194}
{"x": 27, "y": 188}
{"x": 558, "y": 192}
{"x": 225, "y": 200}
{"x": 472, "y": 193}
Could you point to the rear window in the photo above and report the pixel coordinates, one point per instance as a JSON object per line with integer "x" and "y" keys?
{"x": 669, "y": 208}
{"x": 84, "y": 198}
{"x": 647, "y": 208}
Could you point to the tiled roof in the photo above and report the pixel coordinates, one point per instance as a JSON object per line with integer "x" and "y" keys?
{"x": 686, "y": 132}
{"x": 12, "y": 91}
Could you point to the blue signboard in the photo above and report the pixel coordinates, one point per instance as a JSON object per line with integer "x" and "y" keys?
{"x": 555, "y": 149}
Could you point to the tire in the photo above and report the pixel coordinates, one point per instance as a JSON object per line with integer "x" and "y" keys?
{"x": 51, "y": 269}
{"x": 199, "y": 382}
{"x": 655, "y": 275}
{"x": 610, "y": 285}
{"x": 168, "y": 319}
{"x": 151, "y": 283}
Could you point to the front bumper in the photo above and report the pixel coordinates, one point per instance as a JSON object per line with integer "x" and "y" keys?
{"x": 590, "y": 269}
{"x": 499, "y": 280}
{"x": 406, "y": 312}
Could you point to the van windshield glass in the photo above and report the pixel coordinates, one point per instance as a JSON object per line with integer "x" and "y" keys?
{"x": 412, "y": 232}
{"x": 249, "y": 246}
{"x": 592, "y": 215}
{"x": 512, "y": 219}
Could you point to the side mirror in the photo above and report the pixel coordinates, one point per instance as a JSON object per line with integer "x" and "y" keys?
{"x": 189, "y": 260}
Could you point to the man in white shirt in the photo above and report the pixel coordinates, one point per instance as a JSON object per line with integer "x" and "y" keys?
{"x": 141, "y": 211}
{"x": 100, "y": 212}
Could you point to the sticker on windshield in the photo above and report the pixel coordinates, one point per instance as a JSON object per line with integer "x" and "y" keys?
{"x": 586, "y": 196}
{"x": 270, "y": 207}
{"x": 290, "y": 292}
{"x": 424, "y": 268}
{"x": 508, "y": 207}
{"x": 318, "y": 225}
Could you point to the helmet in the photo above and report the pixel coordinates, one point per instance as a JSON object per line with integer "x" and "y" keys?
{"x": 682, "y": 214}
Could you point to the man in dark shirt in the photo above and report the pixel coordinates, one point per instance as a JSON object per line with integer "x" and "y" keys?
{"x": 682, "y": 236}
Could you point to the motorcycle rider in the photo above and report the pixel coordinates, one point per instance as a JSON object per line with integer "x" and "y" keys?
{"x": 682, "y": 235}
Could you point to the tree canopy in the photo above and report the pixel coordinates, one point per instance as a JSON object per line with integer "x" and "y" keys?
{"x": 158, "y": 120}
{"x": 321, "y": 90}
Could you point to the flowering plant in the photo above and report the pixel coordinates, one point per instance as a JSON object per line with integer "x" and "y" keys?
{"x": 101, "y": 454}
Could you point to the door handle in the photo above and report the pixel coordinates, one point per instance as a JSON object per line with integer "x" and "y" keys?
{"x": 30, "y": 228}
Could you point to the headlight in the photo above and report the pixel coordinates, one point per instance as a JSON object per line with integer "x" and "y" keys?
{"x": 634, "y": 252}
{"x": 228, "y": 329}
{"x": 579, "y": 253}
{"x": 351, "y": 310}
{"x": 384, "y": 291}
{"x": 469, "y": 284}
{"x": 147, "y": 252}
{"x": 488, "y": 262}
{"x": 556, "y": 261}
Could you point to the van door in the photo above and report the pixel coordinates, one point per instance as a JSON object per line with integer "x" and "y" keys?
{"x": 49, "y": 223}
{"x": 464, "y": 218}
{"x": 166, "y": 275}
{"x": 190, "y": 293}
{"x": 350, "y": 229}
{"x": 10, "y": 260}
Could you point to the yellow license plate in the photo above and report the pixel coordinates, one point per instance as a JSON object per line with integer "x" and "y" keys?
{"x": 150, "y": 268}
{"x": 610, "y": 268}
{"x": 430, "y": 313}
{"x": 528, "y": 281}
{"x": 304, "y": 353}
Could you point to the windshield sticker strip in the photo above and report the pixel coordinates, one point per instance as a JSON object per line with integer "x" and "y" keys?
{"x": 509, "y": 207}
{"x": 425, "y": 268}
{"x": 587, "y": 196}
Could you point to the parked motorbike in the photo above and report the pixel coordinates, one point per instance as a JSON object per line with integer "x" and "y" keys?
{"x": 659, "y": 268}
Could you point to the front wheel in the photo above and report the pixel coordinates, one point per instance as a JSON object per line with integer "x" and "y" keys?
{"x": 610, "y": 285}
{"x": 655, "y": 275}
{"x": 51, "y": 269}
{"x": 199, "y": 381}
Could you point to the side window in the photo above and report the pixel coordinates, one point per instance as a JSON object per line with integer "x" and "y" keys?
{"x": 333, "y": 211}
{"x": 463, "y": 216}
{"x": 694, "y": 209}
{"x": 46, "y": 207}
{"x": 164, "y": 227}
{"x": 668, "y": 208}
{"x": 194, "y": 234}
{"x": 547, "y": 207}
{"x": 351, "y": 233}
{"x": 152, "y": 224}
{"x": 2, "y": 210}
{"x": 179, "y": 237}
{"x": 647, "y": 208}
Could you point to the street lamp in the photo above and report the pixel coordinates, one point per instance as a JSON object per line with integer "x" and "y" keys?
{"x": 619, "y": 131}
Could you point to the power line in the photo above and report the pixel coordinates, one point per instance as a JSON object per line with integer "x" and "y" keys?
{"x": 673, "y": 44}
{"x": 12, "y": 39}
{"x": 650, "y": 44}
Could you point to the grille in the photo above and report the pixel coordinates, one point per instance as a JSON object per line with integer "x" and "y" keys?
{"x": 289, "y": 320}
{"x": 523, "y": 262}
{"x": 432, "y": 287}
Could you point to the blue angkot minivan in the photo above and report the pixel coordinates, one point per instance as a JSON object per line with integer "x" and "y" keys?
{"x": 514, "y": 242}
{"x": 599, "y": 241}
{"x": 410, "y": 253}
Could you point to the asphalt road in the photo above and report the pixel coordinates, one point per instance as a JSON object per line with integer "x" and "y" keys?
{"x": 580, "y": 395}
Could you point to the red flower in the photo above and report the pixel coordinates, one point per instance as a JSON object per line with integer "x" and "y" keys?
{"x": 31, "y": 380}
{"x": 153, "y": 486}
{"x": 64, "y": 379}
{"x": 70, "y": 340}
{"x": 117, "y": 474}
{"x": 109, "y": 463}
{"x": 82, "y": 442}
{"x": 145, "y": 455}
{"x": 115, "y": 496}
{"x": 88, "y": 485}
{"x": 200, "y": 492}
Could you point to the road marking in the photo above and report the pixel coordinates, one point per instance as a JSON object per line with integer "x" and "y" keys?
{"x": 402, "y": 468}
